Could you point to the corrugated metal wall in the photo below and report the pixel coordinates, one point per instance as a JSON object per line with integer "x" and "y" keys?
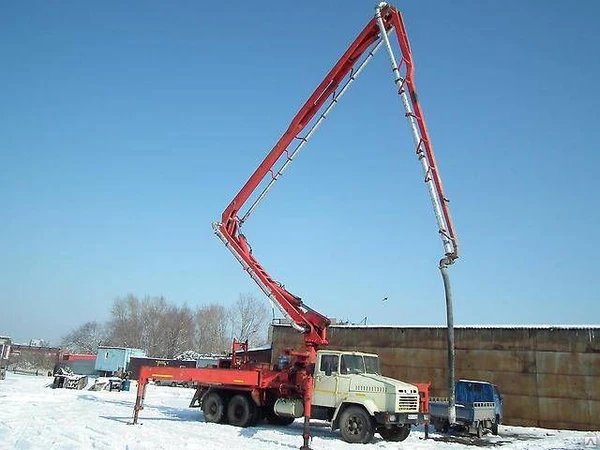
{"x": 550, "y": 377}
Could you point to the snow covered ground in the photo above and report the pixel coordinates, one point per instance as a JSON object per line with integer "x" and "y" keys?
{"x": 34, "y": 416}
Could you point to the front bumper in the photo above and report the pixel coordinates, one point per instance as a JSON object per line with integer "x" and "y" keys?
{"x": 386, "y": 418}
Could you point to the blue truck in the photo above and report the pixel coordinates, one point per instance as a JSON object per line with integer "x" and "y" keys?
{"x": 478, "y": 407}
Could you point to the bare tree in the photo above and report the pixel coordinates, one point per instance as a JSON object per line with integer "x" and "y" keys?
{"x": 178, "y": 331}
{"x": 249, "y": 320}
{"x": 152, "y": 314}
{"x": 164, "y": 330}
{"x": 212, "y": 331}
{"x": 84, "y": 339}
{"x": 138, "y": 323}
{"x": 125, "y": 325}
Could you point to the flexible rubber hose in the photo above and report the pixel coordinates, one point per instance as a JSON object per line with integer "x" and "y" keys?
{"x": 450, "y": 338}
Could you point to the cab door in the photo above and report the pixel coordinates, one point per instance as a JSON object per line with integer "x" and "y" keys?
{"x": 326, "y": 380}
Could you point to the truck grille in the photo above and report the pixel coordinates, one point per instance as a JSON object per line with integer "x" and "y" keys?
{"x": 408, "y": 403}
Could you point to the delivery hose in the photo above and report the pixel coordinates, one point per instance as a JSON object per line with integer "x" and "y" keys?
{"x": 444, "y": 263}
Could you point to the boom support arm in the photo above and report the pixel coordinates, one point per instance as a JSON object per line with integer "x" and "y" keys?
{"x": 342, "y": 75}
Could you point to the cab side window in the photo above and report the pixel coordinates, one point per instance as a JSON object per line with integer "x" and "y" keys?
{"x": 329, "y": 364}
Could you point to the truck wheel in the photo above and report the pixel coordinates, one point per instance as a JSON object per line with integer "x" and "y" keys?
{"x": 274, "y": 419}
{"x": 479, "y": 429}
{"x": 240, "y": 411}
{"x": 495, "y": 426}
{"x": 395, "y": 434}
{"x": 356, "y": 426}
{"x": 259, "y": 415}
{"x": 213, "y": 407}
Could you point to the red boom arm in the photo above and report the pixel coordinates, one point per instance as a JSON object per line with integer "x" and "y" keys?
{"x": 303, "y": 318}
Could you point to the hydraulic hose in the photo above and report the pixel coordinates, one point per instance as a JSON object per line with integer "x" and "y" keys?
{"x": 450, "y": 340}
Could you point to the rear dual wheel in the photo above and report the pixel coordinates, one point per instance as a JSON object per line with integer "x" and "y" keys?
{"x": 241, "y": 411}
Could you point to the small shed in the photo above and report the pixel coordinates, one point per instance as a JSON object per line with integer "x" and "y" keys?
{"x": 109, "y": 360}
{"x": 81, "y": 364}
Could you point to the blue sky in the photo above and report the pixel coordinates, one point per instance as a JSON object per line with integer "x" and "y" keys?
{"x": 126, "y": 129}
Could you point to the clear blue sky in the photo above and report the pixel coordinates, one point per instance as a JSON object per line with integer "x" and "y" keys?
{"x": 126, "y": 128}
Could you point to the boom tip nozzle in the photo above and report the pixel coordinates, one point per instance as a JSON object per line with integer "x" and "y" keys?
{"x": 380, "y": 6}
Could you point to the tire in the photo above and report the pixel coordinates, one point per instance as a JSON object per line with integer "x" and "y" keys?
{"x": 437, "y": 425}
{"x": 356, "y": 426}
{"x": 395, "y": 434}
{"x": 495, "y": 426}
{"x": 479, "y": 430}
{"x": 274, "y": 419}
{"x": 213, "y": 407}
{"x": 259, "y": 415}
{"x": 241, "y": 411}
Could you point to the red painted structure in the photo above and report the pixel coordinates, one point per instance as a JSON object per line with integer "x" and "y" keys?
{"x": 297, "y": 381}
{"x": 78, "y": 357}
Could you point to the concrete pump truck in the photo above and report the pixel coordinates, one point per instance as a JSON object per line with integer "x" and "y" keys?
{"x": 344, "y": 388}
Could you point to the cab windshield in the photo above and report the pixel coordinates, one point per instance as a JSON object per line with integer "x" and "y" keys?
{"x": 359, "y": 364}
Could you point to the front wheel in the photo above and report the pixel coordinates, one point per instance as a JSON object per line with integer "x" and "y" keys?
{"x": 395, "y": 434}
{"x": 495, "y": 426}
{"x": 356, "y": 425}
{"x": 479, "y": 430}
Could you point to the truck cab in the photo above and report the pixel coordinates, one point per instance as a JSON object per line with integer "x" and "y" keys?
{"x": 350, "y": 392}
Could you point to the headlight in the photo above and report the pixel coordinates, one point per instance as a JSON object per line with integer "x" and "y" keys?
{"x": 392, "y": 417}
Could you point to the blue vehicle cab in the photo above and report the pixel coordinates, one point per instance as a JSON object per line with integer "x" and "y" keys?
{"x": 478, "y": 407}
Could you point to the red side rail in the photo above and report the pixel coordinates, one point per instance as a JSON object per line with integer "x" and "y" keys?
{"x": 233, "y": 377}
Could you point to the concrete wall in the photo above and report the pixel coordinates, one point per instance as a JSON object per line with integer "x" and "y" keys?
{"x": 549, "y": 376}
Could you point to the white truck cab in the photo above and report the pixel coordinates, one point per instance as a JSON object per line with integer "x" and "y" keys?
{"x": 350, "y": 392}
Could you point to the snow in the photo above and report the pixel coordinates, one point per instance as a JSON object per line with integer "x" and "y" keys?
{"x": 34, "y": 416}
